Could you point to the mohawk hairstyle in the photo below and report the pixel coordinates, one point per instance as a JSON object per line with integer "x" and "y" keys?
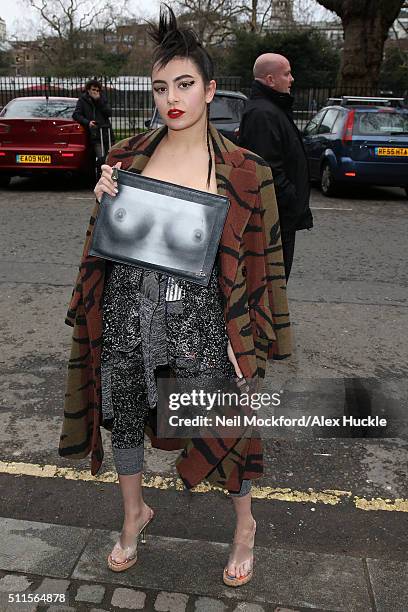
{"x": 172, "y": 41}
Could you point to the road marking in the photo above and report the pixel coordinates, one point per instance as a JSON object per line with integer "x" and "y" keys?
{"x": 328, "y": 208}
{"x": 330, "y": 497}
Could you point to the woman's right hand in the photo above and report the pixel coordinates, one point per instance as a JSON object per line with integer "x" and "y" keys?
{"x": 105, "y": 183}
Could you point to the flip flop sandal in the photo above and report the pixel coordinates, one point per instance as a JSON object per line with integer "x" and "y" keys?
{"x": 239, "y": 554}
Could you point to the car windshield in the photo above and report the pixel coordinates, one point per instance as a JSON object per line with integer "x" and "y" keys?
{"x": 225, "y": 108}
{"x": 381, "y": 122}
{"x": 34, "y": 109}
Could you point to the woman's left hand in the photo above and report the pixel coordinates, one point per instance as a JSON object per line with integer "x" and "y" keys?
{"x": 233, "y": 360}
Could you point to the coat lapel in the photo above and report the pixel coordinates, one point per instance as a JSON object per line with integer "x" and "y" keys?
{"x": 240, "y": 186}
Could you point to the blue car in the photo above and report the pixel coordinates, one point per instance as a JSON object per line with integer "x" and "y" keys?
{"x": 358, "y": 141}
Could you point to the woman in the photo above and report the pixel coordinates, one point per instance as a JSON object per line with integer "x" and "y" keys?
{"x": 225, "y": 329}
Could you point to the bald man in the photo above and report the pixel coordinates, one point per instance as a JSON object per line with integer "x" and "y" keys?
{"x": 267, "y": 129}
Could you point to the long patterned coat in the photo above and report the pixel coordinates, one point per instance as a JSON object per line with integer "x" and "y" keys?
{"x": 252, "y": 281}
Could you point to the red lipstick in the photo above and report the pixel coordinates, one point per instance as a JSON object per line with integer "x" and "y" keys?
{"x": 175, "y": 113}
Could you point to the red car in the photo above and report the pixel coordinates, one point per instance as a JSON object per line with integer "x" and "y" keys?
{"x": 38, "y": 134}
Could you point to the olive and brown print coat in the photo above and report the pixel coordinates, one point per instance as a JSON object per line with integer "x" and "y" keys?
{"x": 252, "y": 282}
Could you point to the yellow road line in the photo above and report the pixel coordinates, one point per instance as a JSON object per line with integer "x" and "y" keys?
{"x": 330, "y": 497}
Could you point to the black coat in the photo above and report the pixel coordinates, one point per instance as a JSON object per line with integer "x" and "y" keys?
{"x": 87, "y": 109}
{"x": 267, "y": 129}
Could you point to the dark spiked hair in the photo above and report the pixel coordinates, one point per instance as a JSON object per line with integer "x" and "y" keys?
{"x": 174, "y": 42}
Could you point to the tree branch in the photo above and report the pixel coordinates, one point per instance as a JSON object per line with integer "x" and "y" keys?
{"x": 336, "y": 6}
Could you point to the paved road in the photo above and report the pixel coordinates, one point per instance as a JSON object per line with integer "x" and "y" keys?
{"x": 348, "y": 302}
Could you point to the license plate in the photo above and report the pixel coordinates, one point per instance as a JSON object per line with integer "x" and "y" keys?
{"x": 392, "y": 151}
{"x": 33, "y": 159}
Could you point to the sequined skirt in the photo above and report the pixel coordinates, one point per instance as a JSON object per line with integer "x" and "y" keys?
{"x": 180, "y": 326}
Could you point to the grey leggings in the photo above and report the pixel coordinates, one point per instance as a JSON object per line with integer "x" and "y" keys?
{"x": 129, "y": 461}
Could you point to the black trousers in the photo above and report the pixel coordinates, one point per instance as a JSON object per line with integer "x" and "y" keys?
{"x": 288, "y": 247}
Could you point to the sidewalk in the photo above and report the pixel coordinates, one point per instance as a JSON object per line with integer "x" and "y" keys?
{"x": 181, "y": 575}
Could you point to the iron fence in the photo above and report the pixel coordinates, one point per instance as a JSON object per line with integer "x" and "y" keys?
{"x": 132, "y": 101}
{"x": 309, "y": 101}
{"x": 130, "y": 97}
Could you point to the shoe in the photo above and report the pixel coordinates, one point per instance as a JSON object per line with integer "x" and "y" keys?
{"x": 239, "y": 554}
{"x": 130, "y": 551}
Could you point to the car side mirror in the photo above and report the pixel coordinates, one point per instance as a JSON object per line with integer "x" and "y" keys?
{"x": 148, "y": 122}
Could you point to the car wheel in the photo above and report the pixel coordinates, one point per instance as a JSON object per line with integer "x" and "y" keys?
{"x": 5, "y": 180}
{"x": 327, "y": 182}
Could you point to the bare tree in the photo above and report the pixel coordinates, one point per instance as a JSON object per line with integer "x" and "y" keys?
{"x": 308, "y": 12}
{"x": 216, "y": 20}
{"x": 366, "y": 24}
{"x": 213, "y": 20}
{"x": 397, "y": 26}
{"x": 258, "y": 14}
{"x": 65, "y": 23}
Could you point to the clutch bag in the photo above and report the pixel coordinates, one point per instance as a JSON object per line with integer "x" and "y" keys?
{"x": 160, "y": 226}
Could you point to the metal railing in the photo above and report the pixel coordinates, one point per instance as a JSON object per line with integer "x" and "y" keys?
{"x": 132, "y": 101}
{"x": 130, "y": 97}
{"x": 309, "y": 101}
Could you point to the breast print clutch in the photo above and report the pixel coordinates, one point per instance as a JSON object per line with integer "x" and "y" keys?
{"x": 160, "y": 226}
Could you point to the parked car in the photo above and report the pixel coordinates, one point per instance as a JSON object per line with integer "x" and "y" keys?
{"x": 358, "y": 141}
{"x": 38, "y": 134}
{"x": 225, "y": 113}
